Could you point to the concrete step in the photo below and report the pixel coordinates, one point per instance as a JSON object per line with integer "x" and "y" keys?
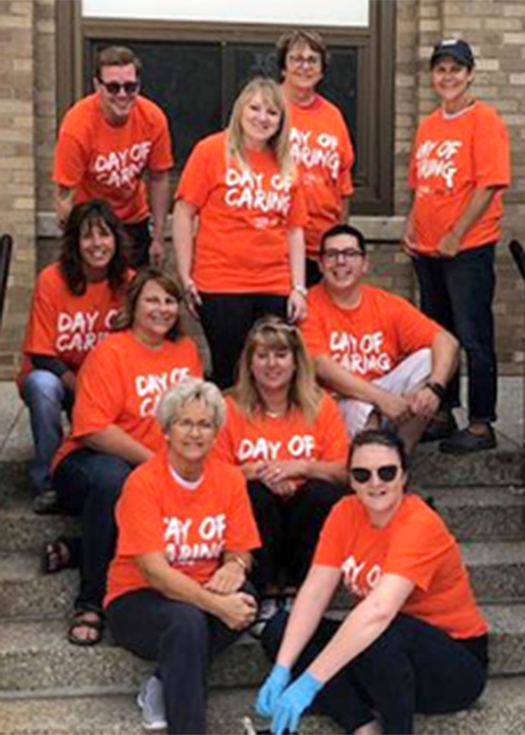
{"x": 503, "y": 466}
{"x": 472, "y": 514}
{"x": 497, "y": 571}
{"x": 480, "y": 513}
{"x": 37, "y": 656}
{"x": 501, "y": 709}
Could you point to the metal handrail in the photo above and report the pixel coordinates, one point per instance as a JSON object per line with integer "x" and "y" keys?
{"x": 6, "y": 248}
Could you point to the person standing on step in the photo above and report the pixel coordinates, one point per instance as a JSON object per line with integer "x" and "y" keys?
{"x": 386, "y": 361}
{"x": 238, "y": 226}
{"x": 415, "y": 641}
{"x": 73, "y": 305}
{"x": 177, "y": 587}
{"x": 319, "y": 138}
{"x": 460, "y": 166}
{"x": 107, "y": 142}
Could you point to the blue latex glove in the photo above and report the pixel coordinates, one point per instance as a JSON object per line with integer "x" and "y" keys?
{"x": 293, "y": 703}
{"x": 271, "y": 690}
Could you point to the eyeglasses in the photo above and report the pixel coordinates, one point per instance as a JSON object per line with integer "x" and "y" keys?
{"x": 386, "y": 473}
{"x": 332, "y": 255}
{"x": 115, "y": 87}
{"x": 187, "y": 426}
{"x": 305, "y": 60}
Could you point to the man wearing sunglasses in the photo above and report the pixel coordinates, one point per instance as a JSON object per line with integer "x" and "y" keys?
{"x": 384, "y": 358}
{"x": 107, "y": 142}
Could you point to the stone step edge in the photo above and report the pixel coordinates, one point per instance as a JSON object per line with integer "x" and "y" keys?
{"x": 125, "y": 690}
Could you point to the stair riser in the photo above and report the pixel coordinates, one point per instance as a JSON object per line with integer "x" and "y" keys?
{"x": 73, "y": 668}
{"x": 54, "y": 595}
{"x": 28, "y": 532}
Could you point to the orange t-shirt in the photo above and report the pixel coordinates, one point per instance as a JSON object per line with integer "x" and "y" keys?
{"x": 415, "y": 545}
{"x": 241, "y": 244}
{"x": 272, "y": 438}
{"x": 64, "y": 325}
{"x": 122, "y": 382}
{"x": 192, "y": 527}
{"x": 370, "y": 339}
{"x": 103, "y": 161}
{"x": 322, "y": 149}
{"x": 452, "y": 156}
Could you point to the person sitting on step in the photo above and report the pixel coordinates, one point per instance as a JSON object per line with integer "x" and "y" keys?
{"x": 287, "y": 437}
{"x": 73, "y": 304}
{"x": 114, "y": 427}
{"x": 415, "y": 640}
{"x": 177, "y": 590}
{"x": 385, "y": 360}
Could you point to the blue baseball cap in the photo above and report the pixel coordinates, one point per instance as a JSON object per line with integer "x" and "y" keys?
{"x": 457, "y": 49}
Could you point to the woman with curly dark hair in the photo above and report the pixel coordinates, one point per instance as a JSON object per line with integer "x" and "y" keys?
{"x": 74, "y": 302}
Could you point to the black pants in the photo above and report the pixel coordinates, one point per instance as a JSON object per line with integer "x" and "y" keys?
{"x": 413, "y": 667}
{"x": 182, "y": 640}
{"x": 289, "y": 529}
{"x": 89, "y": 484}
{"x": 226, "y": 320}
{"x": 140, "y": 237}
{"x": 458, "y": 293}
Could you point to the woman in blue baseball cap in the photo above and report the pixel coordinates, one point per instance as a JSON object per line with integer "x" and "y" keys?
{"x": 459, "y": 169}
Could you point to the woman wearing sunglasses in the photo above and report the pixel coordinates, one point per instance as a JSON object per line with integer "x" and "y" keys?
{"x": 414, "y": 642}
{"x": 288, "y": 438}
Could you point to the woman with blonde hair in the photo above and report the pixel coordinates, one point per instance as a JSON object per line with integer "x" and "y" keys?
{"x": 287, "y": 437}
{"x": 238, "y": 226}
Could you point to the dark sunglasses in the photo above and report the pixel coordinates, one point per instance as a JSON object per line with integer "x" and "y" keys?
{"x": 386, "y": 473}
{"x": 115, "y": 87}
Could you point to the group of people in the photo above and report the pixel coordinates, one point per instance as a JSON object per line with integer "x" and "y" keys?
{"x": 196, "y": 506}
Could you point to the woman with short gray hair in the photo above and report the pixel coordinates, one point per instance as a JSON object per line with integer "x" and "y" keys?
{"x": 185, "y": 533}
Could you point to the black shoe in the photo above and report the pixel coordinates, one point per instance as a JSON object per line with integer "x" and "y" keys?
{"x": 465, "y": 442}
{"x": 439, "y": 428}
{"x": 46, "y": 503}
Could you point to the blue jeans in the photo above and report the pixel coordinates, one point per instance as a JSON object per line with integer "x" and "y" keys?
{"x": 412, "y": 667}
{"x": 458, "y": 292}
{"x": 88, "y": 484}
{"x": 46, "y": 397}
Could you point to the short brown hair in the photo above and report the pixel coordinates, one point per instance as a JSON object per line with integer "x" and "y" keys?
{"x": 126, "y": 317}
{"x": 117, "y": 56}
{"x": 292, "y": 38}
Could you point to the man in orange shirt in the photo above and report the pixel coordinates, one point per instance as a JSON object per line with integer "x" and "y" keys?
{"x": 319, "y": 139}
{"x": 106, "y": 142}
{"x": 385, "y": 359}
{"x": 459, "y": 169}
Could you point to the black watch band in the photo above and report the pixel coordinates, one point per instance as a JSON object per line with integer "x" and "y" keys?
{"x": 436, "y": 388}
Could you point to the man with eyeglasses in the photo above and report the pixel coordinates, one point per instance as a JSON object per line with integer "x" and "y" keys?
{"x": 320, "y": 141}
{"x": 387, "y": 361}
{"x": 107, "y": 142}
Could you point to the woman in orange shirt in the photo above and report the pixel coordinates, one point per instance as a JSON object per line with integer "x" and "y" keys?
{"x": 73, "y": 305}
{"x": 287, "y": 437}
{"x": 177, "y": 589}
{"x": 414, "y": 642}
{"x": 459, "y": 169}
{"x": 114, "y": 427}
{"x": 238, "y": 223}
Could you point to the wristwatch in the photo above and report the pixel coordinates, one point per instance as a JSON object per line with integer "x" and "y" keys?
{"x": 436, "y": 388}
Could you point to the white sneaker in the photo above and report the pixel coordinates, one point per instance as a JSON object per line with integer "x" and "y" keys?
{"x": 150, "y": 699}
{"x": 269, "y": 607}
